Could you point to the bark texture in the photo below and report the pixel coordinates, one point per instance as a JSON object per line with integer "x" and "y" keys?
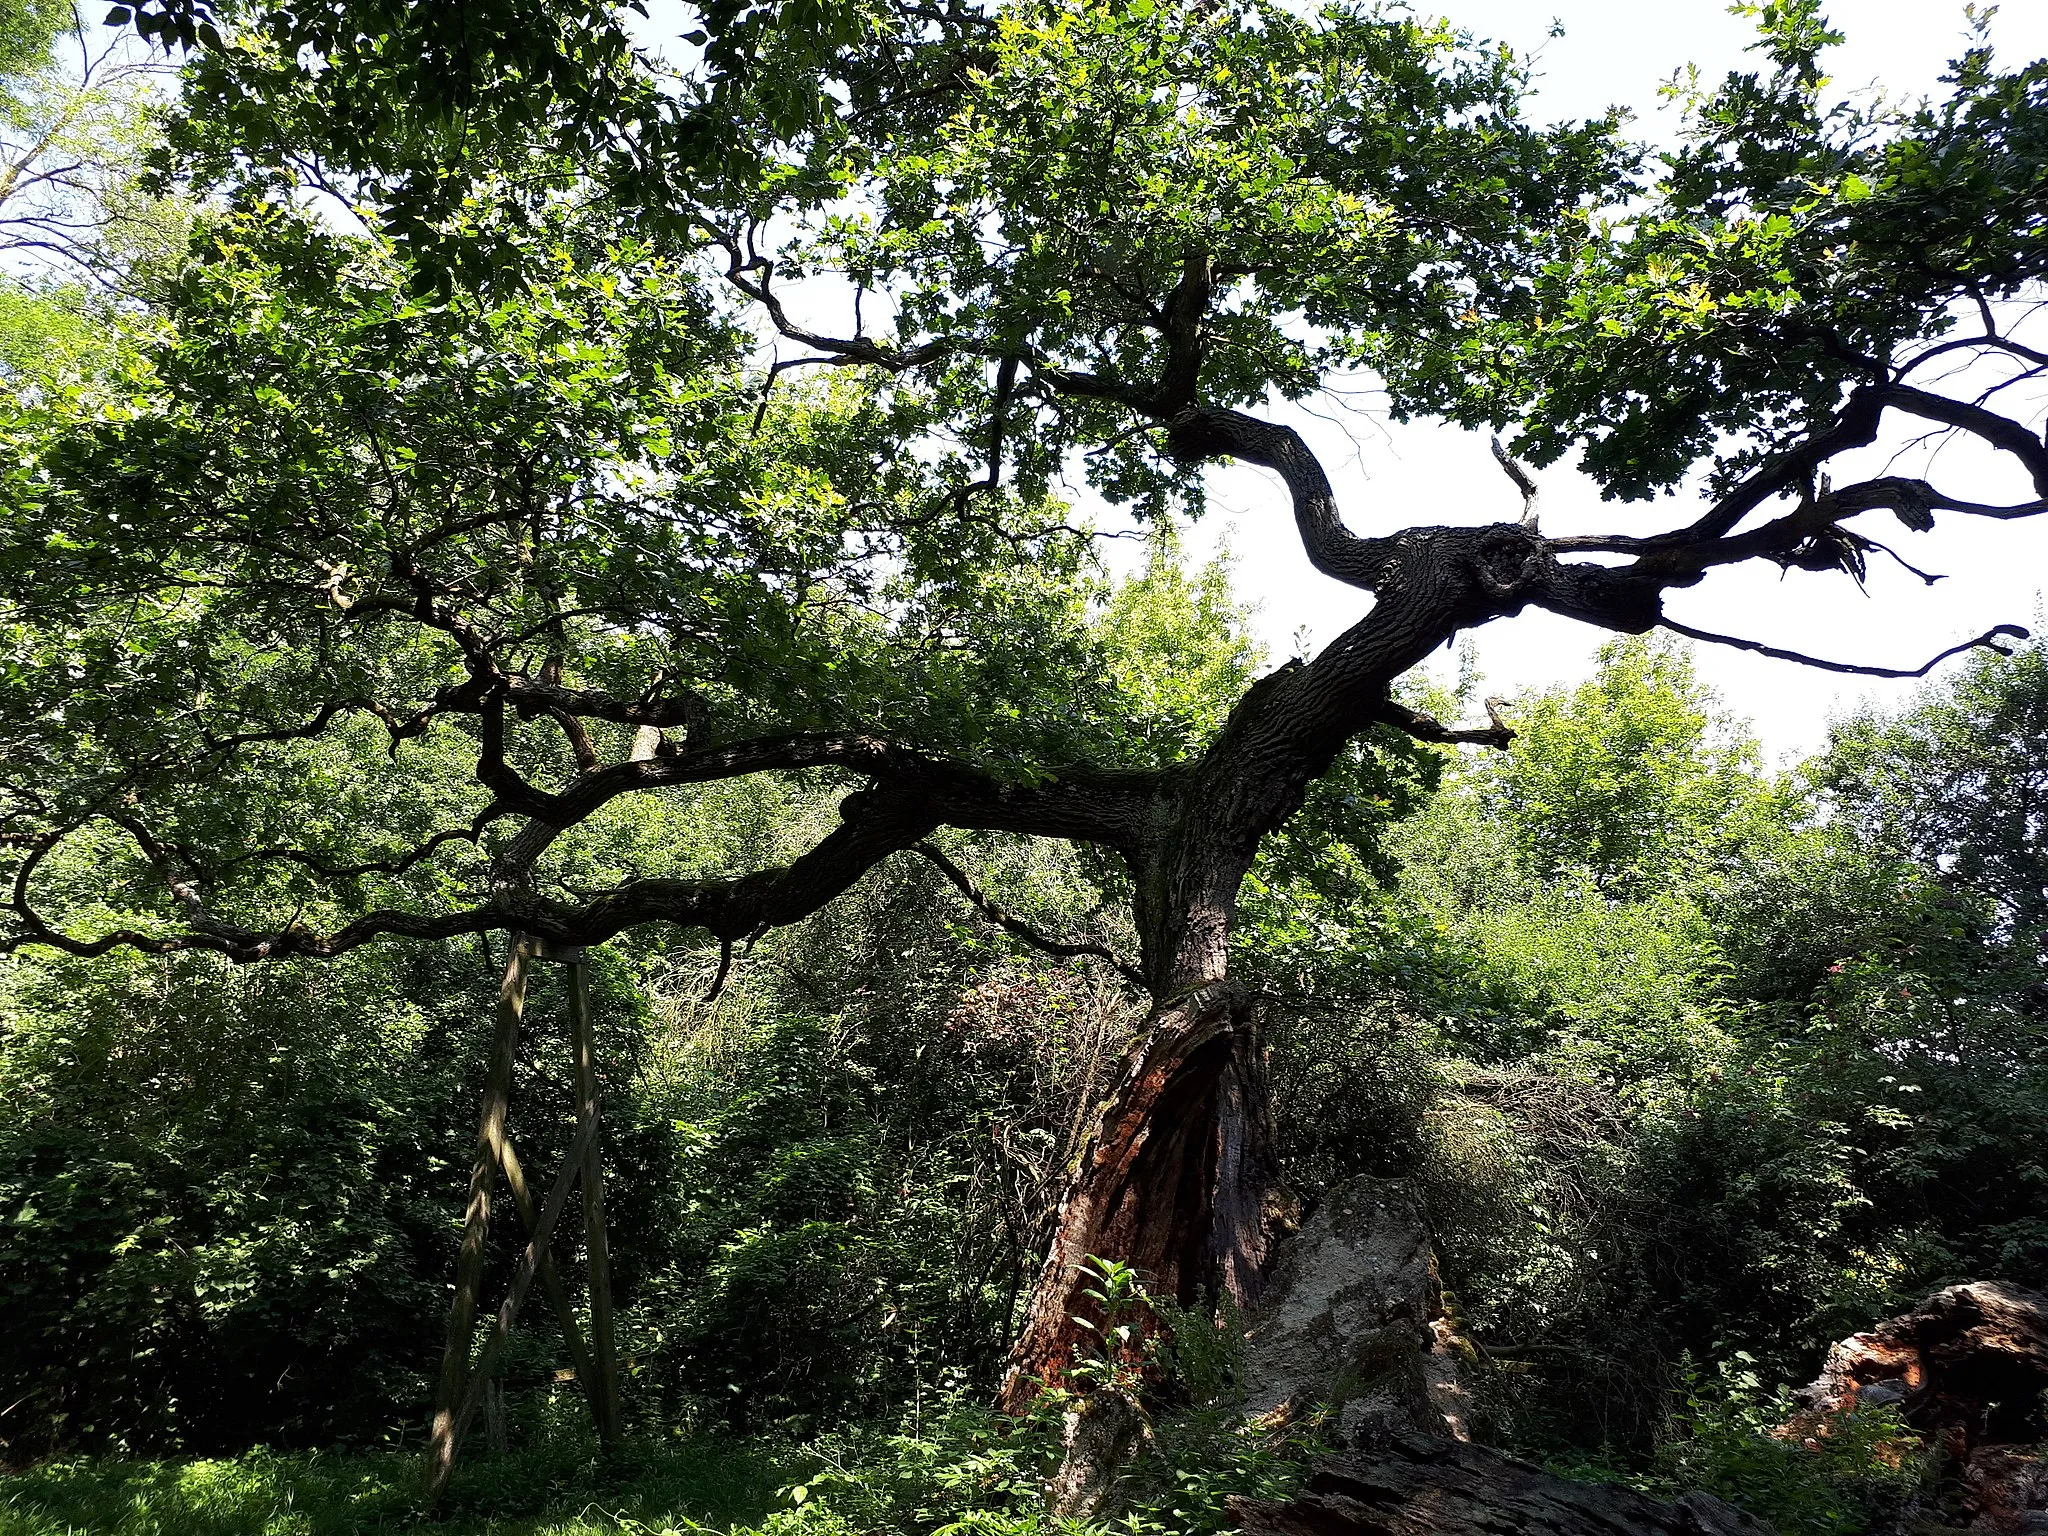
{"x": 1102, "y": 1432}
{"x": 1420, "y": 1485}
{"x": 1180, "y": 1180}
{"x": 1353, "y": 1322}
{"x": 1967, "y": 1369}
{"x": 443, "y": 1432}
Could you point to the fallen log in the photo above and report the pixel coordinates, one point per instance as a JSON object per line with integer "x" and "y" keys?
{"x": 1413, "y": 1484}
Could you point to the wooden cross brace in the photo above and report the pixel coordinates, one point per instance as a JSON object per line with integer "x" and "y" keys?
{"x": 462, "y": 1387}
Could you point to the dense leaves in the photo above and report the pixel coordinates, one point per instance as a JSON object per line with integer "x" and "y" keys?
{"x": 1789, "y": 251}
{"x": 1789, "y": 1083}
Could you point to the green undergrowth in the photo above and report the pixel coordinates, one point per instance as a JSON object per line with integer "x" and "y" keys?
{"x": 552, "y": 1489}
{"x": 954, "y": 1469}
{"x": 1804, "y": 1473}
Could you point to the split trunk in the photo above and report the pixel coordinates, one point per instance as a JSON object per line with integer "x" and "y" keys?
{"x": 1181, "y": 1180}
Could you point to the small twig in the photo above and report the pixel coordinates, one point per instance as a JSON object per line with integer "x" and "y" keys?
{"x": 1495, "y": 733}
{"x": 778, "y": 370}
{"x": 1929, "y": 577}
{"x": 1016, "y": 925}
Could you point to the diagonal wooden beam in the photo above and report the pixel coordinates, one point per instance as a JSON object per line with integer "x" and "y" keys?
{"x": 508, "y": 1311}
{"x": 603, "y": 1347}
{"x": 469, "y": 1260}
{"x": 551, "y": 1277}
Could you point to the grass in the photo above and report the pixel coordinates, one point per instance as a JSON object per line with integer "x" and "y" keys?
{"x": 957, "y": 1466}
{"x": 552, "y": 1489}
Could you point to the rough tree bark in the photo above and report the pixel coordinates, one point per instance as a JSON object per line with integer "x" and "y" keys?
{"x": 1419, "y": 1485}
{"x": 1180, "y": 1180}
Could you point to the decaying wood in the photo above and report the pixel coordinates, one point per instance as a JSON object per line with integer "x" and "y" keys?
{"x": 1100, "y": 1434}
{"x": 1179, "y": 1180}
{"x": 1967, "y": 1369}
{"x": 1353, "y": 1324}
{"x": 1422, "y": 1485}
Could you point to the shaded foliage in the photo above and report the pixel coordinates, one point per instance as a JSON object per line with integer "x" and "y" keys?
{"x": 1789, "y": 1083}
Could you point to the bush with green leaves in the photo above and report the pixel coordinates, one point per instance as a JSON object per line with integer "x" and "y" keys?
{"x": 1757, "y": 1068}
{"x": 1807, "y": 1474}
{"x": 230, "y": 1194}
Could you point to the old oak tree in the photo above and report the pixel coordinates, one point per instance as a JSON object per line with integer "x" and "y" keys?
{"x": 580, "y": 423}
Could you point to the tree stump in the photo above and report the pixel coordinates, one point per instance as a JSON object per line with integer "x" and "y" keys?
{"x": 1353, "y": 1321}
{"x": 1967, "y": 1369}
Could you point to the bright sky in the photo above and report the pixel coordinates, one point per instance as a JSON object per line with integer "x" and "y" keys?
{"x": 1619, "y": 52}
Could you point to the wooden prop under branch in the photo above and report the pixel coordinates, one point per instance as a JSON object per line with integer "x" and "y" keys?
{"x": 464, "y": 1384}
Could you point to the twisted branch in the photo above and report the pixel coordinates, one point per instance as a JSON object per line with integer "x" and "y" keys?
{"x": 1016, "y": 926}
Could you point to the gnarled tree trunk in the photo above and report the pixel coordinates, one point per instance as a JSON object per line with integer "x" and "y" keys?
{"x": 1181, "y": 1180}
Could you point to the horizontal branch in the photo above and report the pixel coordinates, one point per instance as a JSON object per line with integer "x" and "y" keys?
{"x": 754, "y": 276}
{"x": 531, "y": 698}
{"x": 1971, "y": 343}
{"x": 1987, "y": 641}
{"x": 873, "y": 826}
{"x": 1854, "y": 426}
{"x": 910, "y": 796}
{"x": 403, "y": 864}
{"x": 1098, "y": 807}
{"x": 2002, "y": 432}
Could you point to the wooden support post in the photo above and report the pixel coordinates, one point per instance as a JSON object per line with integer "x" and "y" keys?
{"x": 469, "y": 1261}
{"x": 508, "y": 1313}
{"x": 603, "y": 1346}
{"x": 494, "y": 1415}
{"x": 551, "y": 1280}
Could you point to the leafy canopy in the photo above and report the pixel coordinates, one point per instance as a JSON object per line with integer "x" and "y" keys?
{"x": 489, "y": 454}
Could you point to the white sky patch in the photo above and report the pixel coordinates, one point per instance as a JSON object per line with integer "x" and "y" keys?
{"x": 1619, "y": 52}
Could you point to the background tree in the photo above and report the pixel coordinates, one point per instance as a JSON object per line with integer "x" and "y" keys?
{"x": 1958, "y": 786}
{"x": 1786, "y": 1088}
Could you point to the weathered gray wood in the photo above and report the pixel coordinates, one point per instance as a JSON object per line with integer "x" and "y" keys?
{"x": 469, "y": 1260}
{"x": 603, "y": 1345}
{"x": 1420, "y": 1485}
{"x": 551, "y": 1277}
{"x": 1352, "y": 1322}
{"x": 494, "y": 1416}
{"x": 508, "y": 1311}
